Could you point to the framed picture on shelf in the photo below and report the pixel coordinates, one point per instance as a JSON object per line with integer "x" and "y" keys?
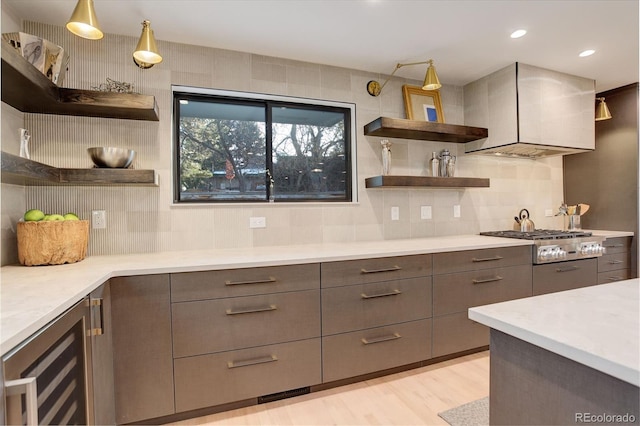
{"x": 422, "y": 105}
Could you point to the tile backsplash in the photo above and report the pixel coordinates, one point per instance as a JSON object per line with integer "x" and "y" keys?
{"x": 143, "y": 219}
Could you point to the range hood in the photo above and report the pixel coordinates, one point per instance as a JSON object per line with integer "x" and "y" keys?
{"x": 531, "y": 112}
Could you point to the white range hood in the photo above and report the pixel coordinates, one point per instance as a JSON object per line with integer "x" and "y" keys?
{"x": 531, "y": 112}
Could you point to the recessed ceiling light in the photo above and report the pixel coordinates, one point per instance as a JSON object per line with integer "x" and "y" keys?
{"x": 587, "y": 53}
{"x": 518, "y": 33}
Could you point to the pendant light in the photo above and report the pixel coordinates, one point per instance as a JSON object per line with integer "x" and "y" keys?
{"x": 602, "y": 111}
{"x": 431, "y": 81}
{"x": 146, "y": 54}
{"x": 83, "y": 21}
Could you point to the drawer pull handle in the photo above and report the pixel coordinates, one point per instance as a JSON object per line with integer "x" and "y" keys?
{"x": 394, "y": 336}
{"x": 255, "y": 361}
{"x": 615, "y": 262}
{"x": 614, "y": 246}
{"x": 263, "y": 281}
{"x": 252, "y": 310}
{"x": 375, "y": 271}
{"x": 486, "y": 259}
{"x": 569, "y": 269}
{"x": 373, "y": 296}
{"x": 615, "y": 278}
{"x": 487, "y": 280}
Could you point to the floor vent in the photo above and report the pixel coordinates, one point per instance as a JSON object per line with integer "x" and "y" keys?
{"x": 282, "y": 395}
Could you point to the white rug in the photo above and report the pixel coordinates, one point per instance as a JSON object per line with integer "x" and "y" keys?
{"x": 474, "y": 413}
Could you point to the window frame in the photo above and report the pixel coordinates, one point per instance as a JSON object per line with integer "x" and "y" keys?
{"x": 268, "y": 102}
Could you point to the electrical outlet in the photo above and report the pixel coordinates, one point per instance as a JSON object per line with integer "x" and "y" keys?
{"x": 425, "y": 212}
{"x": 258, "y": 222}
{"x": 456, "y": 210}
{"x": 98, "y": 219}
{"x": 395, "y": 213}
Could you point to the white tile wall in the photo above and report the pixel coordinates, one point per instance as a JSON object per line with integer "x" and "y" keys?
{"x": 144, "y": 220}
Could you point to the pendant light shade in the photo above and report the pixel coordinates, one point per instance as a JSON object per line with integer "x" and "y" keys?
{"x": 146, "y": 54}
{"x": 83, "y": 21}
{"x": 602, "y": 111}
{"x": 431, "y": 81}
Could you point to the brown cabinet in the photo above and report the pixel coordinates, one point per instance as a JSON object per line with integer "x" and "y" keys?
{"x": 472, "y": 278}
{"x": 615, "y": 264}
{"x": 562, "y": 276}
{"x": 142, "y": 352}
{"x": 375, "y": 349}
{"x": 214, "y": 379}
{"x": 375, "y": 315}
{"x": 244, "y": 333}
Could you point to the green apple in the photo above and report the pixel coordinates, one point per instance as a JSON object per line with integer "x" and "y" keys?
{"x": 34, "y": 215}
{"x": 71, "y": 216}
{"x": 53, "y": 217}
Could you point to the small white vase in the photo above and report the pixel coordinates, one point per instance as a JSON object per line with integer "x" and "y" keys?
{"x": 386, "y": 156}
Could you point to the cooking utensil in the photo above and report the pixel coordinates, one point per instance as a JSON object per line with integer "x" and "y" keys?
{"x": 110, "y": 157}
{"x": 583, "y": 208}
{"x": 526, "y": 224}
{"x": 516, "y": 225}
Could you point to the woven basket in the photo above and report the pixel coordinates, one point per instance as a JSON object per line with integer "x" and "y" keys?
{"x": 52, "y": 243}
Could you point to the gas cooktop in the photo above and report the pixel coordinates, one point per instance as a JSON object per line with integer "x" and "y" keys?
{"x": 538, "y": 234}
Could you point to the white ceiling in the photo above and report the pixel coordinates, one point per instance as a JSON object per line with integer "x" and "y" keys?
{"x": 466, "y": 39}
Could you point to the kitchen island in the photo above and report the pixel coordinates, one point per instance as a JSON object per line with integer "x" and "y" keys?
{"x": 566, "y": 358}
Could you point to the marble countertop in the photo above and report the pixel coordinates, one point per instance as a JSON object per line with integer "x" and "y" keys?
{"x": 31, "y": 297}
{"x": 597, "y": 326}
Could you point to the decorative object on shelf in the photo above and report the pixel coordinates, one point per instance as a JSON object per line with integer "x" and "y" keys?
{"x": 431, "y": 80}
{"x": 602, "y": 111}
{"x": 445, "y": 156}
{"x": 422, "y": 105}
{"x": 49, "y": 58}
{"x": 24, "y": 143}
{"x": 386, "y": 156}
{"x": 84, "y": 22}
{"x": 110, "y": 157}
{"x": 115, "y": 86}
{"x": 146, "y": 54}
{"x": 434, "y": 164}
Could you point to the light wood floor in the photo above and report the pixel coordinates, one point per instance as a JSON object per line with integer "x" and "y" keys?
{"x": 412, "y": 397}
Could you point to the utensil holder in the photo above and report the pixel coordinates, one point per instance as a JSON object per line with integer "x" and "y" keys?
{"x": 572, "y": 222}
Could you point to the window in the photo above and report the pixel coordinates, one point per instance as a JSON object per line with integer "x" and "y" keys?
{"x": 237, "y": 147}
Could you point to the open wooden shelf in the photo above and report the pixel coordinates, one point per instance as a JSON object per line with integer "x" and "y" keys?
{"x": 425, "y": 182}
{"x": 21, "y": 171}
{"x": 423, "y": 130}
{"x": 28, "y": 90}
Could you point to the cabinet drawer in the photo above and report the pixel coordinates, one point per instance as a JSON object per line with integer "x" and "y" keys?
{"x": 612, "y": 262}
{"x": 374, "y": 270}
{"x": 562, "y": 276}
{"x": 208, "y": 380}
{"x": 209, "y": 326}
{"x": 373, "y": 305}
{"x": 460, "y": 291}
{"x": 471, "y": 260}
{"x": 612, "y": 276}
{"x": 456, "y": 333}
{"x": 617, "y": 245}
{"x": 366, "y": 351}
{"x": 243, "y": 282}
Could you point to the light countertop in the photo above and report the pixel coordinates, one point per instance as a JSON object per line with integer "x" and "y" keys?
{"x": 31, "y": 297}
{"x": 598, "y": 326}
